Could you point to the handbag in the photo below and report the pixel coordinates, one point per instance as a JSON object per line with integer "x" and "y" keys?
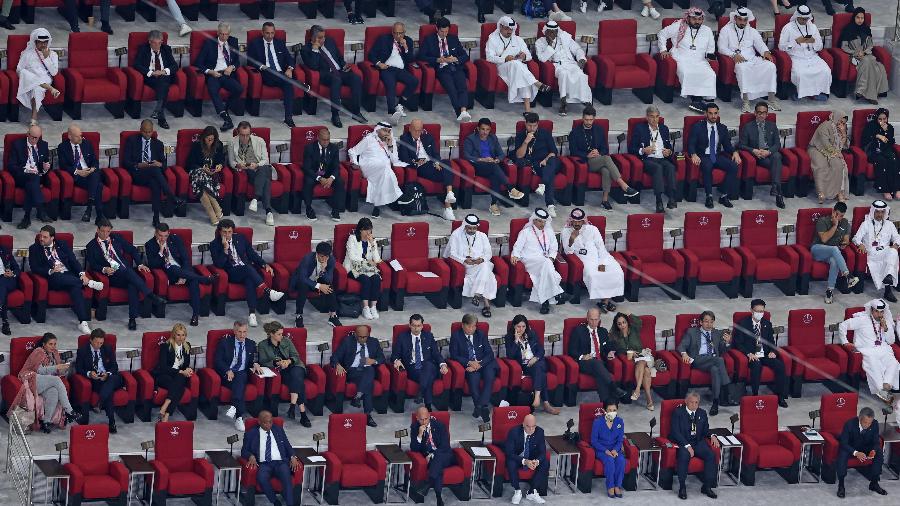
{"x": 349, "y": 305}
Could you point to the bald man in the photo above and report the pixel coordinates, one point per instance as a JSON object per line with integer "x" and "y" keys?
{"x": 145, "y": 160}
{"x": 356, "y": 358}
{"x": 29, "y": 160}
{"x": 431, "y": 438}
{"x": 420, "y": 150}
{"x": 592, "y": 348}
{"x": 266, "y": 448}
{"x": 391, "y": 54}
{"x": 525, "y": 449}
{"x": 79, "y": 159}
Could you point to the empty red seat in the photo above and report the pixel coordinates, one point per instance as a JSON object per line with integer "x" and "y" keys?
{"x": 92, "y": 477}
{"x": 763, "y": 259}
{"x": 705, "y": 260}
{"x": 813, "y": 360}
{"x": 177, "y": 472}
{"x": 766, "y": 447}
{"x": 149, "y": 395}
{"x": 90, "y": 79}
{"x": 349, "y": 464}
{"x": 419, "y": 274}
{"x": 619, "y": 65}
{"x": 648, "y": 263}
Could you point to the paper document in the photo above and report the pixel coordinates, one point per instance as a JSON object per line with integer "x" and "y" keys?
{"x": 317, "y": 458}
{"x": 427, "y": 274}
{"x": 480, "y": 451}
{"x": 265, "y": 372}
{"x": 723, "y": 440}
{"x": 395, "y": 265}
{"x": 814, "y": 436}
{"x": 734, "y": 441}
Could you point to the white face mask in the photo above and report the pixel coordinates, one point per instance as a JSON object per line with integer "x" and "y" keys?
{"x": 611, "y": 415}
{"x": 758, "y": 316}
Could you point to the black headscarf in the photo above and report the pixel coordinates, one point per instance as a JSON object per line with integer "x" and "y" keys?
{"x": 853, "y": 31}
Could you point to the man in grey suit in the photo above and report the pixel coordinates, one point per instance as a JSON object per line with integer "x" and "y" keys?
{"x": 760, "y": 137}
{"x": 703, "y": 348}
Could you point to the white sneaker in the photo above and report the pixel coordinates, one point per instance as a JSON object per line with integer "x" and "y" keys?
{"x": 84, "y": 328}
{"x": 366, "y": 313}
{"x": 401, "y": 109}
{"x": 464, "y": 116}
{"x": 275, "y": 295}
{"x": 95, "y": 285}
{"x": 540, "y": 189}
{"x": 559, "y": 16}
{"x": 185, "y": 29}
{"x": 601, "y": 7}
{"x": 252, "y": 205}
{"x": 535, "y": 497}
{"x": 239, "y": 424}
{"x": 448, "y": 214}
{"x": 374, "y": 312}
{"x": 583, "y": 7}
{"x": 232, "y": 411}
{"x": 654, "y": 13}
{"x": 551, "y": 210}
{"x": 251, "y": 320}
{"x": 270, "y": 219}
{"x": 645, "y": 11}
{"x": 450, "y": 198}
{"x": 517, "y": 497}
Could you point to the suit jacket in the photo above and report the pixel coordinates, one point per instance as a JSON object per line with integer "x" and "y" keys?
{"x": 513, "y": 352}
{"x": 515, "y": 445}
{"x": 700, "y": 139}
{"x": 225, "y": 354}
{"x": 439, "y": 434}
{"x": 430, "y": 51}
{"x": 312, "y": 161}
{"x": 406, "y": 149}
{"x": 580, "y": 342}
{"x": 196, "y": 160}
{"x": 315, "y": 60}
{"x": 403, "y": 350}
{"x": 244, "y": 249}
{"x": 383, "y": 47}
{"x": 744, "y": 340}
{"x": 346, "y": 352}
{"x": 640, "y": 138}
{"x": 257, "y": 57}
{"x": 84, "y": 359}
{"x": 459, "y": 348}
{"x": 578, "y": 141}
{"x": 690, "y": 343}
{"x": 542, "y": 145}
{"x": 144, "y": 59}
{"x": 680, "y": 427}
{"x": 176, "y": 249}
{"x": 749, "y": 137}
{"x": 9, "y": 262}
{"x": 306, "y": 268}
{"x": 66, "y": 156}
{"x": 251, "y": 444}
{"x": 260, "y": 150}
{"x": 18, "y": 155}
{"x": 132, "y": 156}
{"x": 167, "y": 360}
{"x": 40, "y": 264}
{"x": 209, "y": 54}
{"x": 472, "y": 147}
{"x": 851, "y": 439}
{"x": 96, "y": 260}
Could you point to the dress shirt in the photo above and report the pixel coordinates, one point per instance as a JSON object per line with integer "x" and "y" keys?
{"x": 179, "y": 358}
{"x": 596, "y": 347}
{"x": 656, "y": 143}
{"x": 235, "y": 258}
{"x": 704, "y": 336}
{"x": 221, "y": 64}
{"x": 276, "y": 454}
{"x": 50, "y": 251}
{"x": 710, "y": 127}
{"x": 78, "y": 156}
{"x": 155, "y": 57}
{"x": 240, "y": 351}
{"x": 167, "y": 255}
{"x": 97, "y": 357}
{"x": 395, "y": 60}
{"x": 527, "y": 354}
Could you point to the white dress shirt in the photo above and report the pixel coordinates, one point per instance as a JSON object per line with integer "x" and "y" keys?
{"x": 395, "y": 60}
{"x": 276, "y": 454}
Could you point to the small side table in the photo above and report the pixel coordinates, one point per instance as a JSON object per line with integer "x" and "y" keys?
{"x": 227, "y": 469}
{"x": 649, "y": 455}
{"x": 890, "y": 435}
{"x": 479, "y": 469}
{"x": 810, "y": 459}
{"x": 316, "y": 468}
{"x": 54, "y": 474}
{"x": 730, "y": 452}
{"x": 138, "y": 468}
{"x": 397, "y": 478}
{"x": 568, "y": 458}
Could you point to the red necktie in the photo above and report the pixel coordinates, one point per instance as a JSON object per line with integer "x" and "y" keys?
{"x": 156, "y": 61}
{"x": 444, "y": 47}
{"x": 596, "y": 341}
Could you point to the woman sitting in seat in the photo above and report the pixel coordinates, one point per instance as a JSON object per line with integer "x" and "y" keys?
{"x": 205, "y": 163}
{"x": 361, "y": 261}
{"x": 43, "y": 393}
{"x": 173, "y": 371}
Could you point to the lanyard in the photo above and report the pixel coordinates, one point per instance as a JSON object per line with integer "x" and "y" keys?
{"x": 740, "y": 38}
{"x": 386, "y": 152}
{"x": 41, "y": 59}
{"x": 877, "y": 232}
{"x": 542, "y": 241}
{"x": 693, "y": 36}
{"x": 505, "y": 44}
{"x": 108, "y": 250}
{"x": 879, "y": 332}
{"x": 471, "y": 244}
{"x": 588, "y": 139}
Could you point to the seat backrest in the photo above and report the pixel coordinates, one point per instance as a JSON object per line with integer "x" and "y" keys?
{"x": 300, "y": 137}
{"x": 683, "y": 322}
{"x": 599, "y": 222}
{"x": 835, "y": 410}
{"x": 197, "y": 39}
{"x": 175, "y": 445}
{"x": 264, "y": 133}
{"x": 648, "y": 331}
{"x": 860, "y": 118}
{"x": 341, "y": 233}
{"x": 543, "y": 124}
{"x": 212, "y": 342}
{"x": 587, "y": 413}
{"x": 355, "y": 133}
{"x": 806, "y": 331}
{"x": 19, "y": 350}
{"x": 665, "y": 415}
{"x": 347, "y": 437}
{"x": 183, "y": 141}
{"x": 89, "y": 448}
{"x": 396, "y": 330}
{"x": 88, "y": 50}
{"x": 441, "y": 416}
{"x": 841, "y": 19}
{"x": 859, "y": 215}
{"x": 187, "y": 236}
{"x": 781, "y": 20}
{"x": 702, "y": 233}
{"x": 759, "y": 232}
{"x": 483, "y": 226}
{"x": 433, "y": 129}
{"x": 515, "y": 226}
{"x": 504, "y": 420}
{"x": 689, "y": 122}
{"x": 341, "y": 332}
{"x": 569, "y": 27}
{"x": 297, "y": 335}
{"x": 15, "y": 44}
{"x": 249, "y": 423}
{"x": 292, "y": 243}
{"x": 645, "y": 236}
{"x": 569, "y": 325}
{"x": 759, "y": 418}
{"x": 749, "y": 116}
{"x": 807, "y": 123}
{"x": 138, "y": 39}
{"x": 482, "y": 326}
{"x": 150, "y": 343}
{"x": 92, "y": 137}
{"x": 255, "y": 34}
{"x": 666, "y": 22}
{"x": 409, "y": 241}
{"x": 633, "y": 122}
{"x": 617, "y": 40}
{"x": 427, "y": 30}
{"x": 371, "y": 35}
{"x": 8, "y": 141}
{"x": 806, "y": 224}
{"x": 468, "y": 128}
{"x": 848, "y": 313}
{"x": 486, "y": 30}
{"x": 6, "y": 241}
{"x": 108, "y": 340}
{"x": 335, "y": 34}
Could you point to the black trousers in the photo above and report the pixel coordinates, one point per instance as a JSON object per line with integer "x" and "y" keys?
{"x": 154, "y": 178}
{"x": 774, "y": 164}
{"x": 272, "y": 77}
{"x": 335, "y": 80}
{"x": 192, "y": 280}
{"x": 175, "y": 385}
{"x": 231, "y": 84}
{"x": 31, "y": 183}
{"x": 425, "y": 377}
{"x": 161, "y": 87}
{"x": 538, "y": 481}
{"x": 453, "y": 79}
{"x": 71, "y": 283}
{"x": 370, "y": 286}
{"x": 251, "y": 279}
{"x": 703, "y": 452}
{"x": 662, "y": 171}
{"x": 7, "y": 284}
{"x": 481, "y": 384}
{"x": 887, "y": 173}
{"x": 439, "y": 174}
{"x": 777, "y": 367}
{"x": 337, "y": 199}
{"x": 128, "y": 278}
{"x": 874, "y": 471}
{"x": 294, "y": 378}
{"x": 280, "y": 470}
{"x": 439, "y": 462}
{"x": 724, "y": 163}
{"x": 326, "y": 301}
{"x": 93, "y": 183}
{"x": 105, "y": 390}
{"x": 364, "y": 379}
{"x": 495, "y": 174}
{"x": 538, "y": 373}
{"x": 390, "y": 77}
{"x": 595, "y": 369}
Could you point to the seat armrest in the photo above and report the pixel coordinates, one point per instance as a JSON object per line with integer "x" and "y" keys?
{"x": 204, "y": 468}
{"x": 748, "y": 260}
{"x": 210, "y": 382}
{"x": 691, "y": 262}
{"x": 316, "y": 374}
{"x": 333, "y": 468}
{"x": 789, "y": 255}
{"x": 515, "y": 372}
{"x": 145, "y": 383}
{"x": 789, "y": 441}
{"x": 162, "y": 475}
{"x": 76, "y": 478}
{"x": 750, "y": 451}
{"x": 375, "y": 460}
{"x": 119, "y": 473}
{"x": 674, "y": 259}
{"x": 129, "y": 384}
{"x": 463, "y": 460}
{"x": 838, "y": 355}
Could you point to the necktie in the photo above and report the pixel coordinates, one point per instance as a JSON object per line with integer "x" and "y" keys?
{"x": 270, "y": 56}
{"x": 157, "y": 63}
{"x": 709, "y": 346}
{"x": 430, "y": 439}
{"x": 471, "y": 347}
{"x": 225, "y": 54}
{"x": 165, "y": 254}
{"x": 268, "y": 457}
{"x": 96, "y": 360}
{"x": 146, "y": 150}
{"x": 35, "y": 156}
{"x": 362, "y": 355}
{"x": 444, "y": 51}
{"x": 418, "y": 353}
{"x": 596, "y": 342}
{"x": 758, "y": 336}
{"x": 78, "y": 164}
{"x": 712, "y": 144}
{"x": 525, "y": 451}
{"x": 240, "y": 360}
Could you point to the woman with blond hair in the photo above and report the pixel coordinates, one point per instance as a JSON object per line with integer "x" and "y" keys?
{"x": 173, "y": 371}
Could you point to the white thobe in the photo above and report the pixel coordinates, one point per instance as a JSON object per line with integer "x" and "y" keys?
{"x": 377, "y": 161}
{"x": 521, "y": 82}
{"x": 537, "y": 249}
{"x": 756, "y": 76}
{"x": 878, "y": 357}
{"x": 592, "y": 252}
{"x": 480, "y": 279}
{"x": 809, "y": 72}
{"x": 881, "y": 258}
{"x": 35, "y": 70}
{"x": 565, "y": 54}
{"x": 694, "y": 73}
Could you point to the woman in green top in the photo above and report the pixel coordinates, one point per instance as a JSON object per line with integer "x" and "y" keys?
{"x": 626, "y": 336}
{"x": 280, "y": 355}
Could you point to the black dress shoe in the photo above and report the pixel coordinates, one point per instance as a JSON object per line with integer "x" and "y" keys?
{"x": 672, "y": 204}
{"x": 875, "y": 487}
{"x": 889, "y": 294}
{"x": 485, "y": 414}
{"x": 714, "y": 409}
{"x": 112, "y": 428}
{"x": 72, "y": 417}
{"x": 370, "y": 421}
{"x": 4, "y": 328}
{"x": 725, "y": 201}
{"x": 659, "y": 206}
{"x": 779, "y": 202}
{"x": 289, "y": 122}
{"x": 709, "y": 202}
{"x": 682, "y": 493}
{"x": 562, "y": 298}
{"x": 42, "y": 215}
{"x": 156, "y": 299}
{"x": 708, "y": 492}
{"x": 311, "y": 214}
{"x": 74, "y": 28}
{"x": 782, "y": 402}
{"x": 606, "y": 205}
{"x": 4, "y": 22}
{"x": 292, "y": 412}
{"x": 155, "y": 220}
{"x": 841, "y": 492}
{"x": 162, "y": 122}
{"x": 355, "y": 402}
{"x": 545, "y": 307}
{"x": 25, "y": 223}
{"x": 106, "y": 28}
{"x": 298, "y": 321}
{"x": 481, "y": 17}
{"x": 195, "y": 320}
{"x": 336, "y": 121}
{"x": 304, "y": 420}
{"x": 45, "y": 427}
{"x": 132, "y": 324}
{"x": 227, "y": 124}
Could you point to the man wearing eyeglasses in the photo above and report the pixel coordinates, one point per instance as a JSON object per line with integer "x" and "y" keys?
{"x": 29, "y": 160}
{"x": 391, "y": 54}
{"x": 760, "y": 138}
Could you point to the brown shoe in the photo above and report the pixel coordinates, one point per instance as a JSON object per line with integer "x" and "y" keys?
{"x": 548, "y": 408}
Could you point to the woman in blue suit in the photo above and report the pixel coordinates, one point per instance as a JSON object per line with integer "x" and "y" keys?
{"x": 607, "y": 435}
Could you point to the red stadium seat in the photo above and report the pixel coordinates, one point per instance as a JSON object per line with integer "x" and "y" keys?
{"x": 70, "y": 193}
{"x": 578, "y": 382}
{"x": 149, "y": 394}
{"x": 215, "y": 391}
{"x": 504, "y": 420}
{"x": 259, "y": 91}
{"x": 226, "y": 290}
{"x": 783, "y": 61}
{"x": 419, "y": 275}
{"x": 458, "y": 375}
{"x": 15, "y": 44}
{"x": 403, "y": 387}
{"x": 668, "y": 459}
{"x": 457, "y": 475}
{"x": 184, "y": 139}
{"x": 300, "y": 138}
{"x": 844, "y": 70}
{"x": 759, "y": 175}
{"x": 813, "y": 360}
{"x": 855, "y": 372}
{"x": 372, "y": 85}
{"x": 129, "y": 191}
{"x": 476, "y": 184}
{"x": 181, "y": 293}
{"x": 836, "y": 410}
{"x": 90, "y": 79}
{"x": 547, "y": 70}
{"x": 19, "y": 300}
{"x": 116, "y": 295}
{"x": 337, "y": 388}
{"x": 177, "y": 472}
{"x": 138, "y": 92}
{"x": 313, "y": 77}
{"x": 249, "y": 487}
{"x": 349, "y": 465}
{"x": 92, "y": 477}
{"x": 280, "y": 188}
{"x": 489, "y": 82}
{"x": 586, "y": 180}
{"x": 345, "y": 284}
{"x": 522, "y": 386}
{"x": 666, "y": 74}
{"x": 519, "y": 280}
{"x": 650, "y": 264}
{"x": 19, "y": 350}
{"x": 765, "y": 447}
{"x": 529, "y": 181}
{"x": 5, "y": 96}
{"x": 811, "y": 269}
{"x": 705, "y": 260}
{"x": 590, "y": 466}
{"x": 859, "y": 119}
{"x": 51, "y": 188}
{"x": 458, "y": 272}
{"x": 619, "y": 65}
{"x": 357, "y": 185}
{"x": 315, "y": 381}
{"x": 688, "y": 377}
{"x": 763, "y": 259}
{"x": 45, "y": 297}
{"x": 430, "y": 83}
{"x": 197, "y": 92}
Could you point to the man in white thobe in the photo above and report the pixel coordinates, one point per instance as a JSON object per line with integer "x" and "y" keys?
{"x": 376, "y": 156}
{"x": 603, "y": 276}
{"x": 36, "y": 68}
{"x": 471, "y": 247}
{"x": 536, "y": 248}
{"x": 754, "y": 64}
{"x": 692, "y": 42}
{"x": 509, "y": 53}
{"x": 873, "y": 334}
{"x": 558, "y": 46}
{"x": 877, "y": 237}
{"x": 801, "y": 40}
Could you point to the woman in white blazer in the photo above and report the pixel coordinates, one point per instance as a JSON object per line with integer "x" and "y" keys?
{"x": 361, "y": 261}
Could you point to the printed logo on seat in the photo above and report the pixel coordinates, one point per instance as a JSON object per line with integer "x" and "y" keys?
{"x": 703, "y": 221}
{"x": 294, "y": 235}
{"x": 807, "y": 318}
{"x": 815, "y": 120}
{"x": 310, "y": 135}
{"x": 760, "y": 219}
{"x": 174, "y": 432}
{"x": 90, "y": 434}
{"x": 840, "y": 402}
{"x": 598, "y": 412}
{"x": 646, "y": 222}
{"x": 411, "y": 232}
{"x": 512, "y": 415}
{"x": 760, "y": 405}
{"x": 348, "y": 423}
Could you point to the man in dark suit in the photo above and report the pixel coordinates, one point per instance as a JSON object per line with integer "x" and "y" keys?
{"x": 754, "y": 338}
{"x": 416, "y": 352}
{"x": 760, "y": 138}
{"x": 70, "y": 10}
{"x": 29, "y": 160}
{"x": 444, "y": 53}
{"x": 710, "y": 148}
{"x": 9, "y": 281}
{"x": 357, "y": 357}
{"x": 267, "y": 449}
{"x": 145, "y": 159}
{"x": 482, "y": 149}
{"x": 704, "y": 347}
{"x": 234, "y": 254}
{"x": 431, "y": 438}
{"x": 536, "y": 148}
{"x": 391, "y": 54}
{"x": 588, "y": 143}
{"x": 419, "y": 150}
{"x": 155, "y": 62}
{"x": 323, "y": 55}
{"x": 590, "y": 345}
{"x": 167, "y": 252}
{"x": 117, "y": 258}
{"x": 271, "y": 58}
{"x": 218, "y": 61}
{"x": 525, "y": 448}
{"x": 78, "y": 158}
{"x": 471, "y": 349}
{"x": 55, "y": 261}
{"x": 651, "y": 143}
{"x": 321, "y": 166}
{"x": 861, "y": 439}
{"x": 97, "y": 362}
{"x": 235, "y": 359}
{"x": 315, "y": 274}
{"x": 689, "y": 429}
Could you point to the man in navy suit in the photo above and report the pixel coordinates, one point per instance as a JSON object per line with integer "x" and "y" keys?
{"x": 535, "y": 148}
{"x": 155, "y": 62}
{"x": 97, "y": 362}
{"x": 710, "y": 148}
{"x": 267, "y": 449}
{"x": 860, "y": 439}
{"x": 470, "y": 348}
{"x": 116, "y": 258}
{"x": 167, "y": 252}
{"x": 651, "y": 143}
{"x": 323, "y": 55}
{"x": 418, "y": 149}
{"x": 416, "y": 352}
{"x": 145, "y": 159}
{"x": 235, "y": 359}
{"x": 321, "y": 167}
{"x": 29, "y": 159}
{"x": 391, "y": 54}
{"x": 525, "y": 448}
{"x": 431, "y": 438}
{"x": 357, "y": 357}
{"x": 218, "y": 61}
{"x": 234, "y": 254}
{"x": 271, "y": 58}
{"x": 9, "y": 281}
{"x": 78, "y": 158}
{"x": 753, "y": 336}
{"x": 315, "y": 274}
{"x": 588, "y": 142}
{"x": 446, "y": 56}
{"x": 54, "y": 261}
{"x": 690, "y": 431}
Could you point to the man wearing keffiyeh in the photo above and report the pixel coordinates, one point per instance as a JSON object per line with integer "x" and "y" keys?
{"x": 692, "y": 43}
{"x": 873, "y": 334}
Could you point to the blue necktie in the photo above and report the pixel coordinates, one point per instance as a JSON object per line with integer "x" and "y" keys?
{"x": 270, "y": 56}
{"x": 470, "y": 342}
{"x": 35, "y": 155}
{"x": 712, "y": 144}
{"x": 268, "y": 446}
{"x": 419, "y": 353}
{"x": 525, "y": 451}
{"x": 240, "y": 360}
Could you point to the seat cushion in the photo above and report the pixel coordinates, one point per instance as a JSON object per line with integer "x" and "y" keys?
{"x": 818, "y": 368}
{"x": 453, "y": 475}
{"x": 358, "y": 475}
{"x": 658, "y": 271}
{"x": 186, "y": 483}
{"x": 100, "y": 487}
{"x": 416, "y": 283}
{"x": 772, "y": 268}
{"x": 714, "y": 271}
{"x": 630, "y": 76}
{"x": 100, "y": 90}
{"x": 774, "y": 456}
